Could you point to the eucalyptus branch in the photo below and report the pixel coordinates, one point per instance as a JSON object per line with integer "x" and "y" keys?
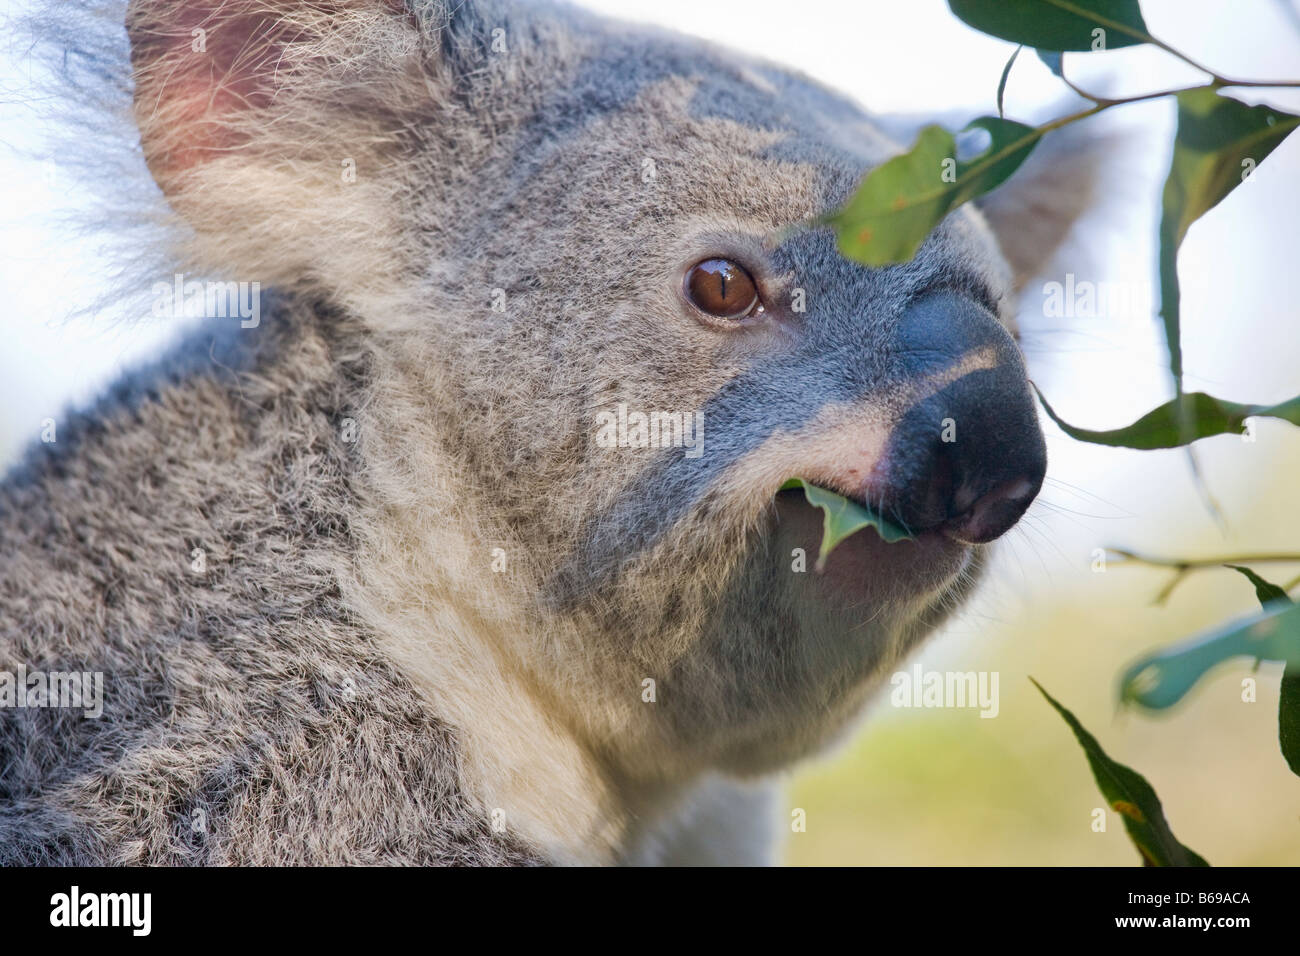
{"x": 1178, "y": 54}
{"x": 1182, "y": 567}
{"x": 1146, "y": 37}
{"x": 1221, "y": 81}
{"x": 1191, "y": 564}
{"x": 1100, "y": 104}
{"x": 1216, "y": 78}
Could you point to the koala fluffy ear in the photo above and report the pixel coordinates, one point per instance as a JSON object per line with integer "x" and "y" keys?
{"x": 208, "y": 73}
{"x": 1032, "y": 213}
{"x": 275, "y": 127}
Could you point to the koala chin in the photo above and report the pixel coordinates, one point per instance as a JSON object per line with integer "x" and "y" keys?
{"x": 473, "y": 548}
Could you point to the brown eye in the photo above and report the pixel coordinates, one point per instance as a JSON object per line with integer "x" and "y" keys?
{"x": 721, "y": 288}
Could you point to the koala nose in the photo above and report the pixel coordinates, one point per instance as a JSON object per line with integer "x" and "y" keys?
{"x": 995, "y": 512}
{"x": 968, "y": 456}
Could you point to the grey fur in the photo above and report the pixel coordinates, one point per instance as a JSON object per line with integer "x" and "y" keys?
{"x": 249, "y": 718}
{"x": 350, "y": 680}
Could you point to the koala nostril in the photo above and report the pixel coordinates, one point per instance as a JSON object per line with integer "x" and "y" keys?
{"x": 993, "y": 513}
{"x": 964, "y": 499}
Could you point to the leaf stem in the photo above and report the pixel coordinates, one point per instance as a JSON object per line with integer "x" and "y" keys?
{"x": 1101, "y": 103}
{"x": 1146, "y": 37}
{"x": 1189, "y": 564}
{"x": 1076, "y": 90}
{"x": 1185, "y": 566}
{"x": 1218, "y": 79}
{"x": 1161, "y": 44}
{"x": 1289, "y": 84}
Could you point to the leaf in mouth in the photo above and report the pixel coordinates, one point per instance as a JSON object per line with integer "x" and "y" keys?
{"x": 843, "y": 518}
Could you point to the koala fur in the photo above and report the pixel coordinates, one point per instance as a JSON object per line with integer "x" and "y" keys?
{"x": 354, "y": 677}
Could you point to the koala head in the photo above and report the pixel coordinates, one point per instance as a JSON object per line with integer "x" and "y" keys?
{"x": 550, "y": 224}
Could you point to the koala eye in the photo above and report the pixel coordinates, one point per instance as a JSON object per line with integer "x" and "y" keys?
{"x": 722, "y": 288}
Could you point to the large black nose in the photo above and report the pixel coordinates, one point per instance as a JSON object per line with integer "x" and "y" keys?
{"x": 967, "y": 457}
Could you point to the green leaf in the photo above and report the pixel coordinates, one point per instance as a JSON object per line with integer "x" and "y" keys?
{"x": 1288, "y": 707}
{"x": 843, "y": 518}
{"x": 900, "y": 202}
{"x": 1166, "y": 427}
{"x": 1057, "y": 24}
{"x": 1216, "y": 135}
{"x": 1288, "y": 718}
{"x": 1162, "y": 678}
{"x": 1006, "y": 72}
{"x": 1265, "y": 591}
{"x": 1129, "y": 794}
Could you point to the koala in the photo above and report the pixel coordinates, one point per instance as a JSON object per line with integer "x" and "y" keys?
{"x": 363, "y": 583}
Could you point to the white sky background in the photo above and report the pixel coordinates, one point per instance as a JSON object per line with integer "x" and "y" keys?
{"x": 1240, "y": 334}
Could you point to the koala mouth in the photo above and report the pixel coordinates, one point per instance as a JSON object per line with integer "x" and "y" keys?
{"x": 844, "y": 517}
{"x": 861, "y": 553}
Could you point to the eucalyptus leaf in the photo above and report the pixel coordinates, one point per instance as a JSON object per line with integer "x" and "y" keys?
{"x": 1057, "y": 24}
{"x": 1218, "y": 144}
{"x": 900, "y": 202}
{"x": 1129, "y": 795}
{"x": 1265, "y": 591}
{"x": 843, "y": 517}
{"x": 1006, "y": 72}
{"x": 1166, "y": 427}
{"x": 1161, "y": 679}
{"x": 1288, "y": 718}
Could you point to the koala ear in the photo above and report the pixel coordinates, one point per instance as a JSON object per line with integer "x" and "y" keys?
{"x": 1033, "y": 212}
{"x": 209, "y": 72}
{"x": 275, "y": 127}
